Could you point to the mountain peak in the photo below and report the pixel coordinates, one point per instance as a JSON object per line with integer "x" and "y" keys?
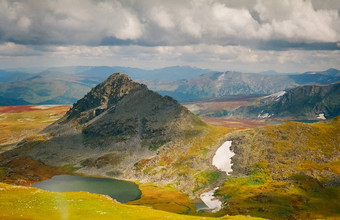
{"x": 103, "y": 96}
{"x": 117, "y": 76}
{"x": 121, "y": 121}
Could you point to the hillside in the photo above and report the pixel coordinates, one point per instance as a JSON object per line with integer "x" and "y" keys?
{"x": 19, "y": 122}
{"x": 310, "y": 102}
{"x": 285, "y": 171}
{"x": 19, "y": 202}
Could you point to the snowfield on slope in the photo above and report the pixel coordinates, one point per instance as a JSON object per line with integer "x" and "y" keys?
{"x": 221, "y": 160}
{"x": 222, "y": 157}
{"x": 208, "y": 198}
{"x": 276, "y": 95}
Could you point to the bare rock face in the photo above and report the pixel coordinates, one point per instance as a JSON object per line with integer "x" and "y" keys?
{"x": 119, "y": 109}
{"x": 102, "y": 97}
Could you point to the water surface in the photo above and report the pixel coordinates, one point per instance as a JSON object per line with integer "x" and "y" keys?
{"x": 122, "y": 191}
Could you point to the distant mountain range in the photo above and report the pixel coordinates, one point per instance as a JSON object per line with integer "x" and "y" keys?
{"x": 223, "y": 84}
{"x": 48, "y": 87}
{"x": 65, "y": 85}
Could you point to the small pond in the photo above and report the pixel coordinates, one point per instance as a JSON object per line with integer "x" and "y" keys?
{"x": 122, "y": 191}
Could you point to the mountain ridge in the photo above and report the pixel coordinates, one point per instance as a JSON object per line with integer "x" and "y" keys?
{"x": 308, "y": 102}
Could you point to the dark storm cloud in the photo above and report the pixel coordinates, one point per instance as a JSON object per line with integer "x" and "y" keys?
{"x": 304, "y": 24}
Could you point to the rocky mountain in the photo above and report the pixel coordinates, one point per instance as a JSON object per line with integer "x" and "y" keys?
{"x": 122, "y": 109}
{"x": 121, "y": 129}
{"x": 310, "y": 102}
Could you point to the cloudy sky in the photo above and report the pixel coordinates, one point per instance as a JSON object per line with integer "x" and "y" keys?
{"x": 245, "y": 35}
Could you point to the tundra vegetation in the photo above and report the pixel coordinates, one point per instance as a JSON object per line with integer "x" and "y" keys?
{"x": 289, "y": 170}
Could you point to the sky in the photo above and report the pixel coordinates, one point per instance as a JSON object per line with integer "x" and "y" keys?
{"x": 241, "y": 35}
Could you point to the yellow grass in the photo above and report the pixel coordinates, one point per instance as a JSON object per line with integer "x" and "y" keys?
{"x": 164, "y": 198}
{"x": 19, "y": 123}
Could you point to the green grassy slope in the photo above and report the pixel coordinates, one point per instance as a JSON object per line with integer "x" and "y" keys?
{"x": 17, "y": 202}
{"x": 285, "y": 171}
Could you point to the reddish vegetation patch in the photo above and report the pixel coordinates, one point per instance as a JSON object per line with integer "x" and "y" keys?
{"x": 28, "y": 108}
{"x": 167, "y": 160}
{"x": 234, "y": 124}
{"x": 16, "y": 109}
{"x": 25, "y": 171}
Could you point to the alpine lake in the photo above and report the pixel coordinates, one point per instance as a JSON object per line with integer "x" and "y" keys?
{"x": 120, "y": 190}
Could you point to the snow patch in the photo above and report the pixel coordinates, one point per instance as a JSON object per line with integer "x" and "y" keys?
{"x": 265, "y": 115}
{"x": 220, "y": 81}
{"x": 321, "y": 116}
{"x": 208, "y": 198}
{"x": 221, "y": 77}
{"x": 222, "y": 157}
{"x": 276, "y": 95}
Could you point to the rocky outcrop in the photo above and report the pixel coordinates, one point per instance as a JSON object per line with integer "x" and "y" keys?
{"x": 102, "y": 97}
